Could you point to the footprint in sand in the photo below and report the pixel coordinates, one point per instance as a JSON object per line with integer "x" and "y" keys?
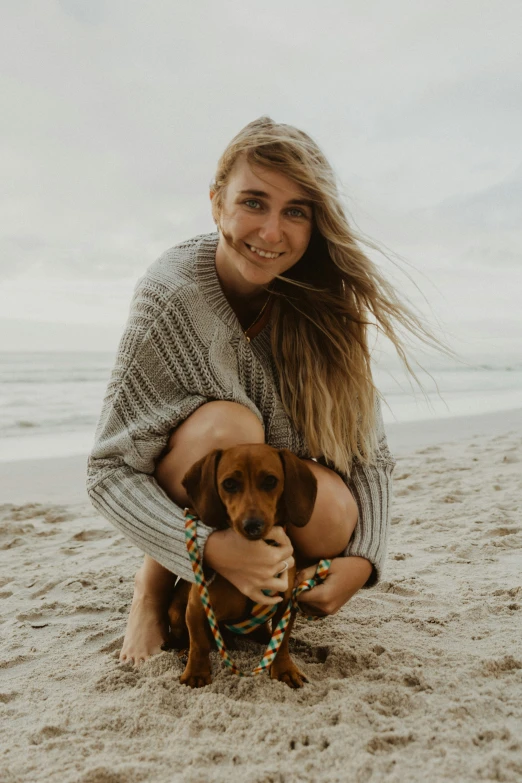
{"x": 5, "y": 698}
{"x": 487, "y": 736}
{"x": 495, "y": 667}
{"x": 512, "y": 592}
{"x": 21, "y": 513}
{"x": 12, "y": 543}
{"x": 452, "y": 498}
{"x": 101, "y": 774}
{"x": 396, "y": 588}
{"x": 124, "y": 676}
{"x": 310, "y": 653}
{"x": 114, "y": 645}
{"x": 46, "y": 588}
{"x": 391, "y": 702}
{"x": 30, "y": 617}
{"x": 47, "y": 533}
{"x": 305, "y": 741}
{"x": 50, "y": 513}
{"x": 502, "y": 531}
{"x": 387, "y": 743}
{"x": 410, "y": 488}
{"x": 92, "y": 535}
{"x": 76, "y": 550}
{"x": 16, "y": 661}
{"x": 58, "y": 514}
{"x": 46, "y": 733}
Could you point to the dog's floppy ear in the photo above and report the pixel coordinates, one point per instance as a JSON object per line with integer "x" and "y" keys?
{"x": 200, "y": 485}
{"x": 300, "y": 489}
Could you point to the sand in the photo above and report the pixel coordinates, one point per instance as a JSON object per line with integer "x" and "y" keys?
{"x": 417, "y": 679}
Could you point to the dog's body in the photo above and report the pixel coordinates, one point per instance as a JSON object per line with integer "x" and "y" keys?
{"x": 249, "y": 488}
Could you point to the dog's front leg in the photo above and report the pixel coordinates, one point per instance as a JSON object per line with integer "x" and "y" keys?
{"x": 178, "y": 638}
{"x": 197, "y": 672}
{"x": 283, "y": 668}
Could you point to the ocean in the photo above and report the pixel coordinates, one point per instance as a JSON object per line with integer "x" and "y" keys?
{"x": 50, "y": 402}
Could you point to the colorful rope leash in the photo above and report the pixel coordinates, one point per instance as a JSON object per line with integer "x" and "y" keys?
{"x": 259, "y": 614}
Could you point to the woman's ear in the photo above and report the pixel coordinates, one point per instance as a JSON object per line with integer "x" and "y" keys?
{"x": 300, "y": 489}
{"x": 199, "y": 483}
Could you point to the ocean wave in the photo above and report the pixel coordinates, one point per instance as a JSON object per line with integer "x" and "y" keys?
{"x": 19, "y": 427}
{"x": 26, "y": 424}
{"x": 48, "y": 381}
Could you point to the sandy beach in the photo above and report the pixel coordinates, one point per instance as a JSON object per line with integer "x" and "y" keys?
{"x": 417, "y": 679}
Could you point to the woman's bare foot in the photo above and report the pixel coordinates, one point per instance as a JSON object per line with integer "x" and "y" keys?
{"x": 147, "y": 630}
{"x": 148, "y": 625}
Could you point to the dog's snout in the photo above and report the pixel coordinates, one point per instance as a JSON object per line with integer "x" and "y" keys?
{"x": 253, "y": 527}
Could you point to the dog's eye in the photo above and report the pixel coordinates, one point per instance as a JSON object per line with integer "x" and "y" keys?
{"x": 269, "y": 482}
{"x": 229, "y": 485}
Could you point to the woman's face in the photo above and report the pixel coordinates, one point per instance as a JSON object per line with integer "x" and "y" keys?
{"x": 266, "y": 220}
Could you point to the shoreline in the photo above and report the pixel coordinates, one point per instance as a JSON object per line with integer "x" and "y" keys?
{"x": 62, "y": 479}
{"x": 404, "y": 437}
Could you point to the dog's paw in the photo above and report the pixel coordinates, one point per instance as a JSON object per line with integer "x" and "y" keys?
{"x": 198, "y": 680}
{"x": 288, "y": 674}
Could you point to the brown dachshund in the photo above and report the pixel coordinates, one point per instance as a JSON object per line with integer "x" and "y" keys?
{"x": 249, "y": 488}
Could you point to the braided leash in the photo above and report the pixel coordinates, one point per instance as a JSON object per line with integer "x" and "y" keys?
{"x": 259, "y": 614}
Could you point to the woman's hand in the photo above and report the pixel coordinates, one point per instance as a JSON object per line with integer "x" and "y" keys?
{"x": 346, "y": 576}
{"x": 251, "y": 566}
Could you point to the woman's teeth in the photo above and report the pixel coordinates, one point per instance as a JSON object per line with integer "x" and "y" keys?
{"x": 263, "y": 253}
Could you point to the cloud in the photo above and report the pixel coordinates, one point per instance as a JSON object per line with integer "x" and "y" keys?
{"x": 115, "y": 113}
{"x": 497, "y": 208}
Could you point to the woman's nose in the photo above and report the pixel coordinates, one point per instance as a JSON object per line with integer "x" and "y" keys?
{"x": 270, "y": 231}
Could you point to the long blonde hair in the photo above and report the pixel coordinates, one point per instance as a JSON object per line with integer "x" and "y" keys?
{"x": 324, "y": 304}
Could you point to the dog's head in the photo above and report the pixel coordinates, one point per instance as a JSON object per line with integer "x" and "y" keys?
{"x": 251, "y": 488}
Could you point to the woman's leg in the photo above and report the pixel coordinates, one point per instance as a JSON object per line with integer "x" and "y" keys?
{"x": 216, "y": 424}
{"x": 147, "y": 626}
{"x": 221, "y": 424}
{"x": 333, "y": 519}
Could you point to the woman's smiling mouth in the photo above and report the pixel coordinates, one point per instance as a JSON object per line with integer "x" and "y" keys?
{"x": 262, "y": 253}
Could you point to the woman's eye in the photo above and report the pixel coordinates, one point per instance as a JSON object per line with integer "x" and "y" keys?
{"x": 252, "y": 203}
{"x": 297, "y": 213}
{"x": 229, "y": 485}
{"x": 269, "y": 482}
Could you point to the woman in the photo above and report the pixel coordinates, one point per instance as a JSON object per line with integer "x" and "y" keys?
{"x": 257, "y": 333}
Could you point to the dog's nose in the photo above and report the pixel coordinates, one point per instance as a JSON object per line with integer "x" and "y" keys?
{"x": 253, "y": 527}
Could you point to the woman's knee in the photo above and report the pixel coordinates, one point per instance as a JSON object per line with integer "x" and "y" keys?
{"x": 333, "y": 519}
{"x": 219, "y": 425}
{"x": 214, "y": 425}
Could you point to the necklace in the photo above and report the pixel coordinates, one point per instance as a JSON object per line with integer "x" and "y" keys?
{"x": 256, "y": 319}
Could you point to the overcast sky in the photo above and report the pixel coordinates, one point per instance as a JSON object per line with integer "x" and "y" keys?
{"x": 115, "y": 113}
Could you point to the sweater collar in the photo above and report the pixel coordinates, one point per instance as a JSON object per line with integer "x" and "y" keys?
{"x": 209, "y": 284}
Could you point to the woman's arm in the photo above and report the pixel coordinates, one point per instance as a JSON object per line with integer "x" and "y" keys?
{"x": 345, "y": 578}
{"x": 145, "y": 399}
{"x": 372, "y": 488}
{"x": 140, "y": 509}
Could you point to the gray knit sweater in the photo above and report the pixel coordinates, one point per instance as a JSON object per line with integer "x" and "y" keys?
{"x": 182, "y": 347}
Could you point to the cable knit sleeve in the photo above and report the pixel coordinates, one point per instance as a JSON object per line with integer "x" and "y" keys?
{"x": 371, "y": 486}
{"x": 147, "y": 397}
